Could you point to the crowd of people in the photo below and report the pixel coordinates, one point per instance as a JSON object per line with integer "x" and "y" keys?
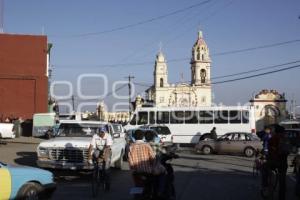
{"x": 145, "y": 153}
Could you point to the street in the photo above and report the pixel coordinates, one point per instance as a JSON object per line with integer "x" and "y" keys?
{"x": 196, "y": 177}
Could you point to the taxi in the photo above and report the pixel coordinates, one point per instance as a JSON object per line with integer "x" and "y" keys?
{"x": 19, "y": 182}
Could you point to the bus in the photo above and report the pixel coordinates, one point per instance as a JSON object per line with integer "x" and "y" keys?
{"x": 188, "y": 124}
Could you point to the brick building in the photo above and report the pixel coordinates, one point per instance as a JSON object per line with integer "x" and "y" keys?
{"x": 23, "y": 75}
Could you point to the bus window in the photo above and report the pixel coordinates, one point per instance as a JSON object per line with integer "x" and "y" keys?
{"x": 245, "y": 117}
{"x": 177, "y": 117}
{"x": 221, "y": 117}
{"x": 235, "y": 117}
{"x": 142, "y": 118}
{"x": 151, "y": 117}
{"x": 162, "y": 117}
{"x": 133, "y": 120}
{"x": 191, "y": 117}
{"x": 206, "y": 117}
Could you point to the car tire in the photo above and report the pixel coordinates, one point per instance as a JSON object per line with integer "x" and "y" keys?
{"x": 30, "y": 191}
{"x": 249, "y": 152}
{"x": 119, "y": 163}
{"x": 206, "y": 150}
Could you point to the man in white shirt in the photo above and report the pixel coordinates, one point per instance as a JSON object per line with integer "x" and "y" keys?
{"x": 100, "y": 148}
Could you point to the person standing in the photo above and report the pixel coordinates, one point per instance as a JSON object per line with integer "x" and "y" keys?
{"x": 213, "y": 134}
{"x": 278, "y": 150}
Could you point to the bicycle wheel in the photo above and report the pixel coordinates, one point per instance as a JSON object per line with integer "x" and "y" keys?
{"x": 273, "y": 183}
{"x": 95, "y": 182}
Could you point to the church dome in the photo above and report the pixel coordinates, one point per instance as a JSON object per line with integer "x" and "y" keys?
{"x": 200, "y": 41}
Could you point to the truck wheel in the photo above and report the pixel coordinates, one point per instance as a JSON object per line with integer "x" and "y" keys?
{"x": 119, "y": 163}
{"x": 30, "y": 191}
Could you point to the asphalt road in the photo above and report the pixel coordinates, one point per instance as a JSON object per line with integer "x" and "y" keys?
{"x": 196, "y": 177}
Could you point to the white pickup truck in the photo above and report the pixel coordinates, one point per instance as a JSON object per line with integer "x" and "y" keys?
{"x": 69, "y": 149}
{"x": 6, "y": 130}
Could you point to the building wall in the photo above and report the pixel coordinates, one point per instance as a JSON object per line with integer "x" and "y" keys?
{"x": 270, "y": 108}
{"x": 23, "y": 80}
{"x": 183, "y": 95}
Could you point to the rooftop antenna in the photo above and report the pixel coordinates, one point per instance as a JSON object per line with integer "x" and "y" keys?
{"x": 1, "y": 15}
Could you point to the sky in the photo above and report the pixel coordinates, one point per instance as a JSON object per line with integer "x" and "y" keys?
{"x": 227, "y": 25}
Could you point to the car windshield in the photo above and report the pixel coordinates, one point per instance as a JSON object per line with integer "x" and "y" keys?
{"x": 252, "y": 137}
{"x": 117, "y": 128}
{"x": 78, "y": 130}
{"x": 161, "y": 130}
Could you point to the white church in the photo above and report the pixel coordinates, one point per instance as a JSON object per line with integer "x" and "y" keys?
{"x": 197, "y": 93}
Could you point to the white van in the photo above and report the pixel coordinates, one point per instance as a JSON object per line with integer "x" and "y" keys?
{"x": 6, "y": 130}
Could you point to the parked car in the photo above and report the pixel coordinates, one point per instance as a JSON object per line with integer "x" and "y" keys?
{"x": 25, "y": 182}
{"x": 69, "y": 149}
{"x": 6, "y": 130}
{"x": 231, "y": 143}
{"x": 293, "y": 136}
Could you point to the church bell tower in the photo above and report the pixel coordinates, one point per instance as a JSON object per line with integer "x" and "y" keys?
{"x": 160, "y": 71}
{"x": 200, "y": 62}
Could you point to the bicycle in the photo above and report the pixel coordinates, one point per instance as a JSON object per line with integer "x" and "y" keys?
{"x": 257, "y": 163}
{"x": 272, "y": 182}
{"x": 99, "y": 178}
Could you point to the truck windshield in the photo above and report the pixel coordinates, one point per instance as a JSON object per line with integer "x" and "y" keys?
{"x": 78, "y": 130}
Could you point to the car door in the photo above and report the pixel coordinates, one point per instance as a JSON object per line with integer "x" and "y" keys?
{"x": 223, "y": 143}
{"x": 238, "y": 143}
{"x": 232, "y": 145}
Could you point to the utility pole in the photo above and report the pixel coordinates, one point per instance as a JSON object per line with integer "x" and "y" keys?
{"x": 129, "y": 93}
{"x": 73, "y": 103}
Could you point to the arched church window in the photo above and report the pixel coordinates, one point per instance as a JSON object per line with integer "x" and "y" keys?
{"x": 161, "y": 84}
{"x": 198, "y": 55}
{"x": 202, "y": 56}
{"x": 203, "y": 75}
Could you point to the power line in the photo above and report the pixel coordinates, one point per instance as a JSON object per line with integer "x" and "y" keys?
{"x": 135, "y": 24}
{"x": 246, "y": 77}
{"x": 258, "y": 47}
{"x": 254, "y": 70}
{"x": 184, "y": 59}
{"x": 256, "y": 75}
{"x": 142, "y": 84}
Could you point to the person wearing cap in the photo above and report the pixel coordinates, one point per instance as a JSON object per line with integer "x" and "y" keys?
{"x": 100, "y": 148}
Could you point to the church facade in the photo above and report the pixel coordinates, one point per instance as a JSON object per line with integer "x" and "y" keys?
{"x": 194, "y": 94}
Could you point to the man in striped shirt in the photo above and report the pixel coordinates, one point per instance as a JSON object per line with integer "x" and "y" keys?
{"x": 141, "y": 155}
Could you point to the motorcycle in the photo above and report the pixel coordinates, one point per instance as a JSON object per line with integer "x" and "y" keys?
{"x": 149, "y": 184}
